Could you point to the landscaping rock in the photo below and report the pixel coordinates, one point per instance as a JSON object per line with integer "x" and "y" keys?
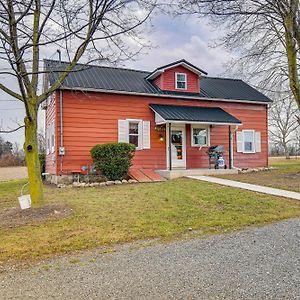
{"x": 118, "y": 182}
{"x": 102, "y": 184}
{"x": 76, "y": 184}
{"x": 246, "y": 171}
{"x": 61, "y": 186}
{"x": 124, "y": 181}
{"x": 110, "y": 182}
{"x": 132, "y": 181}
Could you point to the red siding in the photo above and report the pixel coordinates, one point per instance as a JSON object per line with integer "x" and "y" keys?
{"x": 92, "y": 118}
{"x": 51, "y": 112}
{"x": 166, "y": 81}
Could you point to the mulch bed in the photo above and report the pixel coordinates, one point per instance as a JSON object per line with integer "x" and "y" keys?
{"x": 13, "y": 217}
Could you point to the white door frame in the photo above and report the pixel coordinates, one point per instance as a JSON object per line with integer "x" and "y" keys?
{"x": 176, "y": 164}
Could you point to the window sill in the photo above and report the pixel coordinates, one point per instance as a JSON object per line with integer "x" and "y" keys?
{"x": 202, "y": 146}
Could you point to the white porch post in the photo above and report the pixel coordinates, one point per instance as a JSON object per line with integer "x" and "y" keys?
{"x": 230, "y": 148}
{"x": 170, "y": 146}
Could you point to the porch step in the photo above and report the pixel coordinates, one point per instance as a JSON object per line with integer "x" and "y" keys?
{"x": 176, "y": 173}
{"x": 152, "y": 175}
{"x": 145, "y": 175}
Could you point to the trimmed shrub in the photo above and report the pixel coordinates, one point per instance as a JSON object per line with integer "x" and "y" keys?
{"x": 113, "y": 160}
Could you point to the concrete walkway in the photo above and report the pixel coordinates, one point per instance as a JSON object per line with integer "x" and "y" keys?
{"x": 250, "y": 187}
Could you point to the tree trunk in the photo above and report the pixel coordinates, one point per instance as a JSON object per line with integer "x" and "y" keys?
{"x": 286, "y": 152}
{"x": 291, "y": 50}
{"x": 32, "y": 161}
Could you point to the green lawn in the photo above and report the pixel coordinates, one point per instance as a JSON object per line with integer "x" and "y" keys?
{"x": 119, "y": 214}
{"x": 286, "y": 176}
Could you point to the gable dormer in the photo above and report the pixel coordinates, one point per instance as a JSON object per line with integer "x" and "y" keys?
{"x": 180, "y": 76}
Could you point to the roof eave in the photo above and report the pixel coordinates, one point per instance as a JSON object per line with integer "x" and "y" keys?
{"x": 165, "y": 121}
{"x": 162, "y": 95}
{"x": 200, "y": 123}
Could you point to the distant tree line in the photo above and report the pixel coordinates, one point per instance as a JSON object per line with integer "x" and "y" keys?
{"x": 278, "y": 150}
{"x": 284, "y": 129}
{"x": 10, "y": 154}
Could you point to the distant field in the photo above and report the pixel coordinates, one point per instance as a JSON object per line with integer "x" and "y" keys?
{"x": 12, "y": 173}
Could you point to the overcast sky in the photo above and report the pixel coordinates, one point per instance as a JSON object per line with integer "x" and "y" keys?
{"x": 172, "y": 39}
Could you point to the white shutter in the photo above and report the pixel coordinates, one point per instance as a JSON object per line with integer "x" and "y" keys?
{"x": 257, "y": 142}
{"x": 52, "y": 136}
{"x": 239, "y": 141}
{"x": 48, "y": 140}
{"x": 146, "y": 134}
{"x": 122, "y": 131}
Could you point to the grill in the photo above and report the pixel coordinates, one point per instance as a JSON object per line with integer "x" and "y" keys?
{"x": 215, "y": 157}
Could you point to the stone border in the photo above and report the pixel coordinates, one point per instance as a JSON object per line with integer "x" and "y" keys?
{"x": 253, "y": 170}
{"x": 97, "y": 184}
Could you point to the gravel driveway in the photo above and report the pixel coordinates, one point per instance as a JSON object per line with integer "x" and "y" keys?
{"x": 259, "y": 263}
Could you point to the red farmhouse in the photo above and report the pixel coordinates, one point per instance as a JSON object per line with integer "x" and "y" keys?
{"x": 172, "y": 115}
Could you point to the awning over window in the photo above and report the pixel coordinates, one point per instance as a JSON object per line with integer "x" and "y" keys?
{"x": 192, "y": 114}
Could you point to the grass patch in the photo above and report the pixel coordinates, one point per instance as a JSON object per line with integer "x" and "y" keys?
{"x": 119, "y": 214}
{"x": 286, "y": 176}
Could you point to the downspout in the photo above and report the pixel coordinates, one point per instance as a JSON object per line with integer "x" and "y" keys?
{"x": 61, "y": 148}
{"x": 170, "y": 148}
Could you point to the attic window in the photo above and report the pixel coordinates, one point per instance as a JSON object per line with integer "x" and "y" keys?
{"x": 180, "y": 79}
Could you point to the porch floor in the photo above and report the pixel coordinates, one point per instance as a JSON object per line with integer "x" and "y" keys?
{"x": 145, "y": 175}
{"x": 176, "y": 173}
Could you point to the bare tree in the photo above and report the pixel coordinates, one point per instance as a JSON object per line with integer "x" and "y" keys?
{"x": 283, "y": 122}
{"x": 101, "y": 29}
{"x": 265, "y": 35}
{"x": 41, "y": 142}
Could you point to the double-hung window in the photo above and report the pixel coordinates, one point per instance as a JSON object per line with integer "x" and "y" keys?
{"x": 48, "y": 140}
{"x": 249, "y": 141}
{"x": 52, "y": 141}
{"x": 134, "y": 133}
{"x": 200, "y": 136}
{"x": 181, "y": 82}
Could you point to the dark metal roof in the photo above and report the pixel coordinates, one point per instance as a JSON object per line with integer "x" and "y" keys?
{"x": 194, "y": 114}
{"x": 224, "y": 88}
{"x": 85, "y": 77}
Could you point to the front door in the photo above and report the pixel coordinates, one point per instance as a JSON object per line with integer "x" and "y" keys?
{"x": 178, "y": 149}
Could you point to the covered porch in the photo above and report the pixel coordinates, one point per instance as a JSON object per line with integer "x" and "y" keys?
{"x": 189, "y": 132}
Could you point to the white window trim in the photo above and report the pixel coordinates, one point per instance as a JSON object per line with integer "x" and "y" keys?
{"x": 185, "y": 78}
{"x": 52, "y": 135}
{"x": 140, "y": 134}
{"x": 253, "y": 141}
{"x": 48, "y": 140}
{"x": 207, "y": 135}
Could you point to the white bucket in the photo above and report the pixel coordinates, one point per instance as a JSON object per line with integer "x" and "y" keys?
{"x": 25, "y": 201}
